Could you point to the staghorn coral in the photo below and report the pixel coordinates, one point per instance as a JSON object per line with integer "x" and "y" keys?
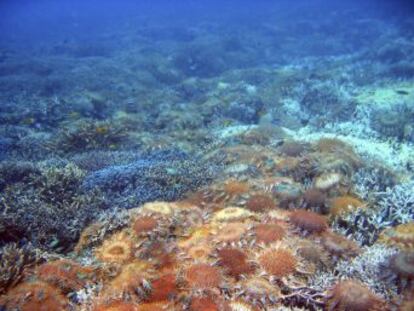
{"x": 158, "y": 175}
{"x": 54, "y": 195}
{"x": 370, "y": 267}
{"x": 238, "y": 305}
{"x": 15, "y": 260}
{"x": 89, "y": 135}
{"x": 392, "y": 208}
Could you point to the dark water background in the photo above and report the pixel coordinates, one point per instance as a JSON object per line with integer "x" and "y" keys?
{"x": 28, "y": 27}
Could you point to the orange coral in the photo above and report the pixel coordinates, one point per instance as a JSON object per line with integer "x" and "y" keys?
{"x": 401, "y": 236}
{"x": 327, "y": 145}
{"x": 339, "y": 246}
{"x": 314, "y": 198}
{"x": 65, "y": 274}
{"x": 202, "y": 276}
{"x": 200, "y": 252}
{"x": 208, "y": 303}
{"x": 196, "y": 235}
{"x": 292, "y": 148}
{"x": 163, "y": 288}
{"x": 88, "y": 236}
{"x": 146, "y": 225}
{"x": 327, "y": 181}
{"x": 260, "y": 203}
{"x": 352, "y": 295}
{"x": 344, "y": 204}
{"x": 230, "y": 233}
{"x": 132, "y": 276}
{"x": 268, "y": 233}
{"x": 314, "y": 254}
{"x": 154, "y": 307}
{"x": 308, "y": 221}
{"x": 278, "y": 262}
{"x": 233, "y": 187}
{"x": 164, "y": 209}
{"x": 258, "y": 290}
{"x": 160, "y": 254}
{"x": 116, "y": 305}
{"x": 34, "y": 296}
{"x": 117, "y": 249}
{"x": 230, "y": 214}
{"x": 234, "y": 261}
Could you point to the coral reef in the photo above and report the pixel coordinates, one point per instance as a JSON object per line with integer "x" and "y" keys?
{"x": 161, "y": 175}
{"x": 207, "y": 156}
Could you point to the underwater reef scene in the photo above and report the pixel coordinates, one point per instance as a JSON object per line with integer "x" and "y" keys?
{"x": 206, "y": 156}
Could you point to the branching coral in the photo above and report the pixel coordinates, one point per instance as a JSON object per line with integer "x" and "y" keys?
{"x": 370, "y": 267}
{"x": 159, "y": 175}
{"x": 14, "y": 262}
{"x": 88, "y": 135}
{"x": 54, "y": 195}
{"x": 393, "y": 207}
